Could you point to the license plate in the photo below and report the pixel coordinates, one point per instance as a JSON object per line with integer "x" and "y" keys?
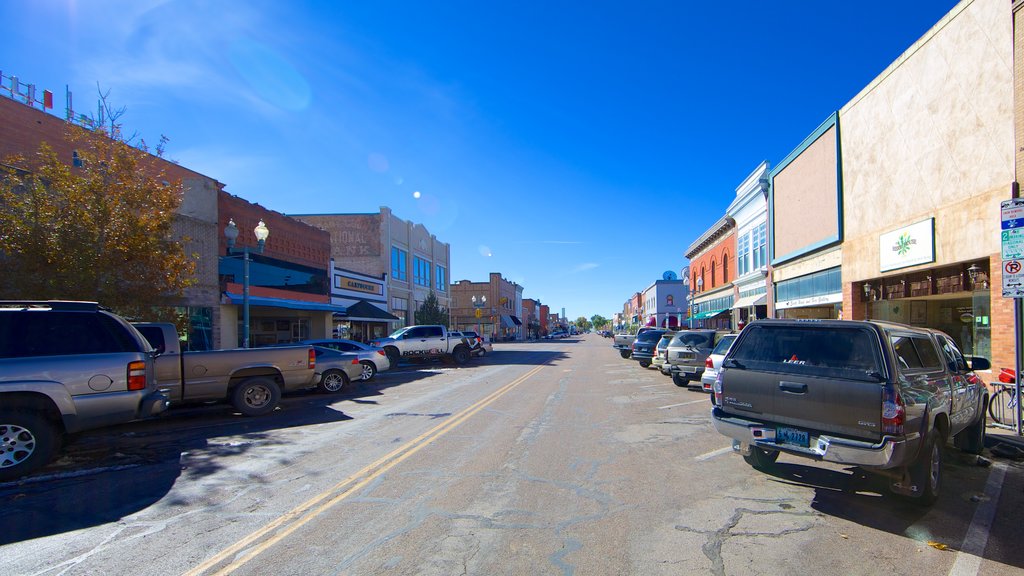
{"x": 792, "y": 436}
{"x": 688, "y": 369}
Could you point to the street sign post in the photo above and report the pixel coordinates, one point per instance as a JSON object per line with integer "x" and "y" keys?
{"x": 1011, "y": 222}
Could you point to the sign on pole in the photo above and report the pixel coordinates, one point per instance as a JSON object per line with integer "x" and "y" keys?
{"x": 1011, "y": 232}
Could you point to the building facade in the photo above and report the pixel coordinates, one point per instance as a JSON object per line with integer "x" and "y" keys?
{"x": 413, "y": 261}
{"x": 665, "y": 303}
{"x": 488, "y": 307}
{"x": 289, "y": 281}
{"x": 750, "y": 212}
{"x": 712, "y": 271}
{"x": 365, "y": 299}
{"x": 928, "y": 154}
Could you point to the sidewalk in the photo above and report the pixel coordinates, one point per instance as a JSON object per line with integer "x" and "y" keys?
{"x": 1004, "y": 443}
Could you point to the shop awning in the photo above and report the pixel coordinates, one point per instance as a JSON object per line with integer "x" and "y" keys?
{"x": 506, "y": 321}
{"x": 709, "y": 314}
{"x": 516, "y": 321}
{"x": 755, "y": 300}
{"x": 363, "y": 311}
{"x": 282, "y": 303}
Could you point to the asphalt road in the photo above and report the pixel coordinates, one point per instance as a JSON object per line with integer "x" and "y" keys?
{"x": 556, "y": 457}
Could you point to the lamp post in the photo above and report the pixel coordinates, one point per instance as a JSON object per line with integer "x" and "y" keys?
{"x": 231, "y": 234}
{"x": 479, "y": 302}
{"x": 867, "y": 301}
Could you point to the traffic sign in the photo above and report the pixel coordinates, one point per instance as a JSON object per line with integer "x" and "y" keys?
{"x": 1012, "y": 243}
{"x": 1013, "y": 278}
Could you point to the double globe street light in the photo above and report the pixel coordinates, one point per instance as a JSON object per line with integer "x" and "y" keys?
{"x": 231, "y": 235}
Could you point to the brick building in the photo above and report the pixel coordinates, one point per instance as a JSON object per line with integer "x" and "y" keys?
{"x": 288, "y": 282}
{"x": 494, "y": 317}
{"x": 24, "y": 126}
{"x": 712, "y": 271}
{"x": 531, "y": 318}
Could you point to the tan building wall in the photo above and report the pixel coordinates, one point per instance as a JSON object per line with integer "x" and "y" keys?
{"x": 933, "y": 137}
{"x": 363, "y": 242}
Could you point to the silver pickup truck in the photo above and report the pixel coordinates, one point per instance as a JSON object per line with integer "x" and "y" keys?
{"x": 885, "y": 397}
{"x": 66, "y": 367}
{"x": 252, "y": 379}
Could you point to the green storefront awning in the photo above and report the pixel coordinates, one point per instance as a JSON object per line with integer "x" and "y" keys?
{"x": 708, "y": 314}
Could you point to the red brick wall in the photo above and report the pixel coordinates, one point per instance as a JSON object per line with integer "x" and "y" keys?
{"x": 722, "y": 252}
{"x": 289, "y": 239}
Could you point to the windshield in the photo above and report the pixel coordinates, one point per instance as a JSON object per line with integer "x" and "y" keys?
{"x": 649, "y": 336}
{"x": 694, "y": 339}
{"x": 399, "y": 332}
{"x": 723, "y": 345}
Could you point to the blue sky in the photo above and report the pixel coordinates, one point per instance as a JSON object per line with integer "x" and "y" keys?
{"x": 577, "y": 148}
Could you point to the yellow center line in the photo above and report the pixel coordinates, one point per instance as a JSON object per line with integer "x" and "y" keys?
{"x": 297, "y": 517}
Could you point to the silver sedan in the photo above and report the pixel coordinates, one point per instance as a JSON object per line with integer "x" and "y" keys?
{"x": 372, "y": 359}
{"x": 335, "y": 370}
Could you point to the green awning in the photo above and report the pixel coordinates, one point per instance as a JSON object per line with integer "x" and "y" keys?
{"x": 708, "y": 314}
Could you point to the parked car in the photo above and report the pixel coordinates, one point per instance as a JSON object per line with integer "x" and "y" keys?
{"x": 687, "y": 353}
{"x": 882, "y": 396}
{"x": 66, "y": 367}
{"x": 714, "y": 362}
{"x": 335, "y": 370}
{"x": 660, "y": 359}
{"x": 424, "y": 342}
{"x": 483, "y": 347}
{"x": 644, "y": 346}
{"x": 372, "y": 359}
{"x": 251, "y": 379}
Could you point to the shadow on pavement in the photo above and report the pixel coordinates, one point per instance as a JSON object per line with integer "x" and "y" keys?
{"x": 857, "y": 496}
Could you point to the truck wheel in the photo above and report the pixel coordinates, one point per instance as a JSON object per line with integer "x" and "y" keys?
{"x": 760, "y": 458}
{"x": 926, "y": 472}
{"x": 256, "y": 396}
{"x": 29, "y": 441}
{"x": 369, "y": 370}
{"x": 333, "y": 381}
{"x": 624, "y": 353}
{"x": 681, "y": 381}
{"x": 972, "y": 438}
{"x": 460, "y": 355}
{"x": 393, "y": 355}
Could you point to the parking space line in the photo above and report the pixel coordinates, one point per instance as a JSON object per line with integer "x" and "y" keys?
{"x": 684, "y": 404}
{"x": 968, "y": 559}
{"x": 713, "y": 453}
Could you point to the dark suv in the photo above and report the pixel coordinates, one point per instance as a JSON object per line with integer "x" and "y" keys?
{"x": 67, "y": 367}
{"x": 645, "y": 346}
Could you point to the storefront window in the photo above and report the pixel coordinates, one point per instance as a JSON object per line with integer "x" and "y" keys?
{"x": 966, "y": 318}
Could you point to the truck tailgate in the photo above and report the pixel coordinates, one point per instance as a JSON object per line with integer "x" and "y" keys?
{"x": 821, "y": 378}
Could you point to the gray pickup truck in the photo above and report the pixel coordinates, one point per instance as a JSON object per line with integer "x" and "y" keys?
{"x": 884, "y": 397}
{"x": 252, "y": 379}
{"x": 67, "y": 367}
{"x": 623, "y": 342}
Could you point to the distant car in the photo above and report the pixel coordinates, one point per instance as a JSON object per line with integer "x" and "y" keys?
{"x": 335, "y": 370}
{"x": 714, "y": 362}
{"x": 372, "y": 359}
{"x": 484, "y": 346}
{"x": 644, "y": 346}
{"x": 660, "y": 359}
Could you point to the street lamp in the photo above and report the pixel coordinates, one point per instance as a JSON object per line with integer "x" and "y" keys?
{"x": 479, "y": 302}
{"x": 867, "y": 300}
{"x": 231, "y": 234}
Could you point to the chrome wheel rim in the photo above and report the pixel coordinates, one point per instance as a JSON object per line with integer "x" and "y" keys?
{"x": 18, "y": 445}
{"x": 367, "y": 372}
{"x": 933, "y": 473}
{"x": 333, "y": 381}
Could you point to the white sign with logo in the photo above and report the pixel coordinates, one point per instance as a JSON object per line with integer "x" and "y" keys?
{"x": 907, "y": 246}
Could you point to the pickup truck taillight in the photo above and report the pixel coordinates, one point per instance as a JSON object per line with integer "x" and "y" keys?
{"x": 717, "y": 388}
{"x": 894, "y": 411}
{"x": 312, "y": 358}
{"x": 137, "y": 375}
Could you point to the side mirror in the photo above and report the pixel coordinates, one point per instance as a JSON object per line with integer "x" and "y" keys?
{"x": 978, "y": 363}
